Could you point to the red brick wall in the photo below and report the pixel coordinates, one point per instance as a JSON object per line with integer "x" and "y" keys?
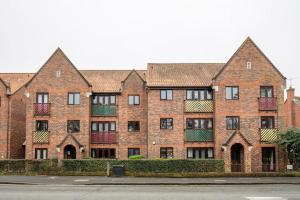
{"x": 133, "y": 85}
{"x": 60, "y": 111}
{"x": 249, "y": 82}
{"x": 3, "y": 121}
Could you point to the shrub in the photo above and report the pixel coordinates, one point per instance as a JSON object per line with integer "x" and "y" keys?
{"x": 136, "y": 157}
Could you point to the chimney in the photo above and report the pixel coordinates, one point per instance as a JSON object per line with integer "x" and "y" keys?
{"x": 290, "y": 94}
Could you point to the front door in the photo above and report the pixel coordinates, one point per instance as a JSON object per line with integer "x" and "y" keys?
{"x": 268, "y": 159}
{"x": 70, "y": 152}
{"x": 237, "y": 157}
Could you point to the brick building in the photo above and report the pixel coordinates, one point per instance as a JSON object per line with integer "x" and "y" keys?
{"x": 292, "y": 109}
{"x": 229, "y": 111}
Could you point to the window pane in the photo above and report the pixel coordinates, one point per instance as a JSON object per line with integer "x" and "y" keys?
{"x": 130, "y": 100}
{"x": 45, "y": 98}
{"x": 112, "y": 100}
{"x": 270, "y": 92}
{"x": 163, "y": 123}
{"x": 202, "y": 92}
{"x": 196, "y": 94}
{"x": 210, "y": 153}
{"x": 197, "y": 124}
{"x": 112, "y": 126}
{"x": 44, "y": 153}
{"x": 169, "y": 94}
{"x": 106, "y": 100}
{"x": 229, "y": 123}
{"x": 170, "y": 123}
{"x": 189, "y": 94}
{"x": 101, "y": 127}
{"x": 38, "y": 154}
{"x": 209, "y": 123}
{"x": 40, "y": 98}
{"x": 202, "y": 124}
{"x": 189, "y": 124}
{"x": 163, "y": 94}
{"x": 235, "y": 122}
{"x": 190, "y": 153}
{"x": 228, "y": 93}
{"x": 106, "y": 126}
{"x": 136, "y": 100}
{"x": 94, "y": 99}
{"x": 101, "y": 99}
{"x": 77, "y": 98}
{"x": 71, "y": 100}
{"x": 209, "y": 94}
{"x": 94, "y": 126}
{"x": 235, "y": 92}
{"x": 262, "y": 92}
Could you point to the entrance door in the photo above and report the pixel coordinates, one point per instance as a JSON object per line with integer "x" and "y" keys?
{"x": 70, "y": 152}
{"x": 268, "y": 159}
{"x": 237, "y": 158}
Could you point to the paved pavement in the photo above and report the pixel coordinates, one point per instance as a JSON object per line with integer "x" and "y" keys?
{"x": 100, "y": 180}
{"x": 114, "y": 192}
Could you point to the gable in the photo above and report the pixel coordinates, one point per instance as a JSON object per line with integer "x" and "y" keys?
{"x": 133, "y": 80}
{"x": 58, "y": 61}
{"x": 249, "y": 52}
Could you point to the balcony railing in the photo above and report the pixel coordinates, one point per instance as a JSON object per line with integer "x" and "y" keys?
{"x": 40, "y": 137}
{"x": 268, "y": 135}
{"x": 202, "y": 106}
{"x": 103, "y": 137}
{"x": 41, "y": 109}
{"x": 198, "y": 135}
{"x": 103, "y": 110}
{"x": 267, "y": 103}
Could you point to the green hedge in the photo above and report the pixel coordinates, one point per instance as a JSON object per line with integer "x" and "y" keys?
{"x": 146, "y": 166}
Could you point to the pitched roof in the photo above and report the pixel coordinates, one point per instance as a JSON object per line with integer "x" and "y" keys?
{"x": 108, "y": 80}
{"x": 182, "y": 74}
{"x": 248, "y": 39}
{"x": 15, "y": 80}
{"x": 232, "y": 135}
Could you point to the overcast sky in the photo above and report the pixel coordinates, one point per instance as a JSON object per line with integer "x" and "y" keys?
{"x": 128, "y": 34}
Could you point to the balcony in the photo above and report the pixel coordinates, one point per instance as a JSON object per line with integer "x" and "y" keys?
{"x": 103, "y": 110}
{"x": 198, "y": 135}
{"x": 267, "y": 103}
{"x": 201, "y": 106}
{"x": 40, "y": 137}
{"x": 103, "y": 137}
{"x": 41, "y": 109}
{"x": 268, "y": 135}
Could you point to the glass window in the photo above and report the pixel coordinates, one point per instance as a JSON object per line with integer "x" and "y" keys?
{"x": 112, "y": 126}
{"x": 166, "y": 123}
{"x": 232, "y": 92}
{"x": 267, "y": 122}
{"x": 103, "y": 153}
{"x": 166, "y": 94}
{"x": 42, "y": 98}
{"x": 42, "y": 125}
{"x": 189, "y": 124}
{"x": 189, "y": 94}
{"x": 73, "y": 126}
{"x": 94, "y": 126}
{"x": 41, "y": 153}
{"x": 74, "y": 98}
{"x": 133, "y": 100}
{"x": 133, "y": 126}
{"x": 200, "y": 153}
{"x": 166, "y": 152}
{"x": 232, "y": 123}
{"x": 266, "y": 91}
{"x": 133, "y": 151}
{"x": 112, "y": 100}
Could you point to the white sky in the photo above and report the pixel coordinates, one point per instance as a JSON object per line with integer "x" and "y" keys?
{"x": 128, "y": 34}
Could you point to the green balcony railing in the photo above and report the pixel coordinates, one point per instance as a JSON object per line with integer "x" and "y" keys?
{"x": 268, "y": 135}
{"x": 204, "y": 106}
{"x": 199, "y": 135}
{"x": 104, "y": 110}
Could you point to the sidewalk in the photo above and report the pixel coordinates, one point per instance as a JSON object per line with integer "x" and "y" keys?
{"x": 92, "y": 180}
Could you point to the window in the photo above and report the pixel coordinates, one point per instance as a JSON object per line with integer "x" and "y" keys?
{"x": 166, "y": 94}
{"x": 249, "y": 65}
{"x": 133, "y": 126}
{"x": 103, "y": 126}
{"x": 41, "y": 153}
{"x": 200, "y": 94}
{"x": 166, "y": 123}
{"x": 42, "y": 98}
{"x": 133, "y": 100}
{"x": 266, "y": 91}
{"x": 58, "y": 73}
{"x": 166, "y": 152}
{"x": 200, "y": 153}
{"x": 103, "y": 153}
{"x": 104, "y": 99}
{"x": 74, "y": 98}
{"x": 199, "y": 123}
{"x": 232, "y": 92}
{"x": 267, "y": 122}
{"x": 232, "y": 123}
{"x": 73, "y": 126}
{"x": 133, "y": 151}
{"x": 42, "y": 125}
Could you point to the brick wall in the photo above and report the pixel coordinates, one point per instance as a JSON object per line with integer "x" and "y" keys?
{"x": 3, "y": 121}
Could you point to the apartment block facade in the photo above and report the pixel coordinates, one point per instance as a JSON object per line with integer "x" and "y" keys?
{"x": 231, "y": 111}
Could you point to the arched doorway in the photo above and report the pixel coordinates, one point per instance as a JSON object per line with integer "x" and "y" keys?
{"x": 237, "y": 158}
{"x": 69, "y": 152}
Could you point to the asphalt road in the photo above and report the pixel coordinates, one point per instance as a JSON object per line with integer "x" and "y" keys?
{"x": 76, "y": 192}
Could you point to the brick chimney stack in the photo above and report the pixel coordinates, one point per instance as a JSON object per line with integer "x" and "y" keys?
{"x": 289, "y": 108}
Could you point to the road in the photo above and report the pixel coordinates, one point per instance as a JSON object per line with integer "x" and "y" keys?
{"x": 84, "y": 192}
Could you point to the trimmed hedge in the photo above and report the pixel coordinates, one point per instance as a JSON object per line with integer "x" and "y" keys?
{"x": 146, "y": 166}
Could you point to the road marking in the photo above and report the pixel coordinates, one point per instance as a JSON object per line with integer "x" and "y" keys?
{"x": 219, "y": 180}
{"x": 265, "y": 198}
{"x": 81, "y": 180}
{"x": 52, "y": 177}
